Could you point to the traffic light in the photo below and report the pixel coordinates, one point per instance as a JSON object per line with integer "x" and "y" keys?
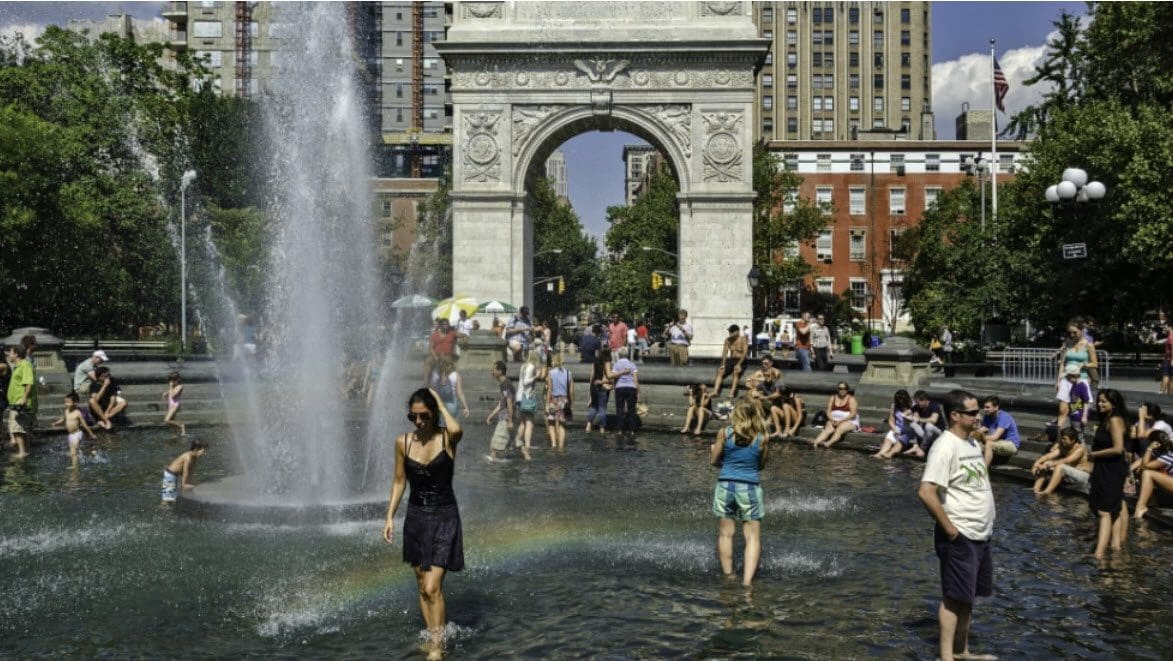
{"x": 561, "y": 285}
{"x": 657, "y": 280}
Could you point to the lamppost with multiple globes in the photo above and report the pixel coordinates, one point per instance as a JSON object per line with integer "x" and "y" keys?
{"x": 1074, "y": 192}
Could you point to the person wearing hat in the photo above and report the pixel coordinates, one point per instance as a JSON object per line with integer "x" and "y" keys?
{"x": 84, "y": 376}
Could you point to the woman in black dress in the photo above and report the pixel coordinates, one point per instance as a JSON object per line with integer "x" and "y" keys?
{"x": 1109, "y": 472}
{"x": 432, "y": 539}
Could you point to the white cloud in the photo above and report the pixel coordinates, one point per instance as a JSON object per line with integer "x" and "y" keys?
{"x": 969, "y": 78}
{"x": 30, "y": 31}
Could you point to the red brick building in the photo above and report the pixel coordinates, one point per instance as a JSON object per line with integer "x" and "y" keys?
{"x": 873, "y": 190}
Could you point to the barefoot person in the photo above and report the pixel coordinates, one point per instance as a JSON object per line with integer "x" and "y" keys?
{"x": 1066, "y": 462}
{"x": 1109, "y": 472}
{"x": 955, "y": 489}
{"x": 740, "y": 451}
{"x": 700, "y": 408}
{"x": 842, "y": 416}
{"x": 1156, "y": 470}
{"x": 74, "y": 423}
{"x": 178, "y": 473}
{"x": 173, "y": 393}
{"x": 732, "y": 357}
{"x": 22, "y": 400}
{"x": 432, "y": 539}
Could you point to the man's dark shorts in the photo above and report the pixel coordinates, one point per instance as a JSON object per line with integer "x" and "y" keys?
{"x": 729, "y": 364}
{"x": 967, "y": 567}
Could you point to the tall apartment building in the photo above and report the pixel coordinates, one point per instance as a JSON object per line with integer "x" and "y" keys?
{"x": 217, "y": 33}
{"x": 556, "y": 173}
{"x": 837, "y": 69}
{"x": 638, "y": 161}
{"x": 123, "y": 25}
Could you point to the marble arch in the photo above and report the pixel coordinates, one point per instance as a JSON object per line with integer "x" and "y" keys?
{"x": 528, "y": 75}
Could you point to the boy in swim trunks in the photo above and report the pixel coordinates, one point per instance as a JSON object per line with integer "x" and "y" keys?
{"x": 74, "y": 423}
{"x": 183, "y": 465}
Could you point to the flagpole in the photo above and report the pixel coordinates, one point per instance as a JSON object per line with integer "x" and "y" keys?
{"x": 993, "y": 139}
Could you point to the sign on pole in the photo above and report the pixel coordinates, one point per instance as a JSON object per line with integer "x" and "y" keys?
{"x": 1074, "y": 250}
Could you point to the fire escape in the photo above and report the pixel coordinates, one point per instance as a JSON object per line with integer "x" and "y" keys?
{"x": 417, "y": 84}
{"x": 244, "y": 48}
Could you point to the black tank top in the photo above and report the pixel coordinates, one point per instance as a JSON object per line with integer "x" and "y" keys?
{"x": 1102, "y": 441}
{"x": 431, "y": 483}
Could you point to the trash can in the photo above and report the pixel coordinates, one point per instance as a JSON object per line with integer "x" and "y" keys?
{"x": 873, "y": 341}
{"x": 857, "y": 345}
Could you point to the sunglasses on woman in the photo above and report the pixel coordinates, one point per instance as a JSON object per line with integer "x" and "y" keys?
{"x": 419, "y": 417}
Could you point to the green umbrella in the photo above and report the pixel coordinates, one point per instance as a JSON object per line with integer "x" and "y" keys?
{"x": 413, "y": 301}
{"x": 496, "y": 306}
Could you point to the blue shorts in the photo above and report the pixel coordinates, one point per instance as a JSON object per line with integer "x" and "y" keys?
{"x": 740, "y": 501}
{"x": 170, "y": 486}
{"x": 967, "y": 567}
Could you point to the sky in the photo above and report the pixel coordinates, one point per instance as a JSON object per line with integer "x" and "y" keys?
{"x": 961, "y": 32}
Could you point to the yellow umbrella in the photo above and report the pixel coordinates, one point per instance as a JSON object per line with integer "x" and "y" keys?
{"x": 450, "y": 308}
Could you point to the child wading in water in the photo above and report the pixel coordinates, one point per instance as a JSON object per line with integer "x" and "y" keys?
{"x": 172, "y": 394}
{"x": 740, "y": 451}
{"x": 179, "y": 471}
{"x": 74, "y": 423}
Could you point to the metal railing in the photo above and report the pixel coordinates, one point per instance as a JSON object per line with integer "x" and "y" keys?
{"x": 1034, "y": 365}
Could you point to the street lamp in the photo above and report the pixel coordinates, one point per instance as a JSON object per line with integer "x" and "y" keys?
{"x": 980, "y": 169}
{"x": 869, "y": 300}
{"x": 184, "y": 182}
{"x": 753, "y": 277}
{"x": 655, "y": 249}
{"x": 1074, "y": 191}
{"x": 555, "y": 251}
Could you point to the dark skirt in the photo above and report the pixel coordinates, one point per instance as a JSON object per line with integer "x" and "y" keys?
{"x": 432, "y": 537}
{"x": 1107, "y": 486}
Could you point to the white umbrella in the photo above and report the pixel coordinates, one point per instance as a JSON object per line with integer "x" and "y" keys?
{"x": 496, "y": 307}
{"x": 412, "y": 301}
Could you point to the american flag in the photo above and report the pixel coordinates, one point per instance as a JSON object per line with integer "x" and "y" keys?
{"x": 1000, "y": 86}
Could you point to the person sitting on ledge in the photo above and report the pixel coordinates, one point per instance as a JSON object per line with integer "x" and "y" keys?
{"x": 1148, "y": 420}
{"x": 1066, "y": 462}
{"x": 1157, "y": 469}
{"x": 1000, "y": 428}
{"x": 925, "y": 422}
{"x": 899, "y": 435}
{"x": 842, "y": 416}
{"x": 787, "y": 413}
{"x": 106, "y": 402}
{"x": 700, "y": 408}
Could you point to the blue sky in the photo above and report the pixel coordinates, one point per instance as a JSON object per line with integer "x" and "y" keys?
{"x": 961, "y": 33}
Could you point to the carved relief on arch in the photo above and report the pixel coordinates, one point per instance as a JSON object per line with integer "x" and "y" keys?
{"x": 722, "y": 151}
{"x": 719, "y": 8}
{"x": 482, "y": 154}
{"x": 677, "y": 120}
{"x": 475, "y": 10}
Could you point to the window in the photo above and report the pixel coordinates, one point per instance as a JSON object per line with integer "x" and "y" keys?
{"x": 857, "y": 249}
{"x": 768, "y": 102}
{"x": 767, "y": 14}
{"x": 207, "y": 29}
{"x": 853, "y": 127}
{"x": 828, "y": 15}
{"x": 817, "y": 103}
{"x": 790, "y": 297}
{"x": 790, "y": 197}
{"x": 906, "y": 16}
{"x": 399, "y": 90}
{"x": 817, "y": 15}
{"x": 853, "y": 59}
{"x": 878, "y": 60}
{"x": 816, "y": 126}
{"x": 431, "y": 62}
{"x": 767, "y": 125}
{"x": 769, "y": 58}
{"x": 828, "y": 103}
{"x": 829, "y": 125}
{"x": 823, "y": 164}
{"x": 791, "y": 15}
{"x": 853, "y": 38}
{"x": 398, "y": 38}
{"x": 896, "y": 161}
{"x": 767, "y": 80}
{"x": 878, "y": 17}
{"x": 853, "y": 104}
{"x": 878, "y": 104}
{"x": 825, "y": 285}
{"x": 431, "y": 89}
{"x": 828, "y": 36}
{"x": 817, "y": 81}
{"x": 853, "y": 81}
{"x": 824, "y": 246}
{"x": 878, "y": 38}
{"x": 790, "y": 250}
{"x": 896, "y": 255}
{"x": 828, "y": 81}
{"x": 768, "y": 34}
{"x": 932, "y": 163}
{"x": 878, "y": 123}
{"x": 790, "y": 162}
{"x": 931, "y": 195}
{"x": 792, "y": 124}
{"x": 1005, "y": 162}
{"x": 823, "y": 195}
{"x": 857, "y": 162}
{"x": 906, "y": 59}
{"x": 792, "y": 60}
{"x": 896, "y": 201}
{"x": 853, "y": 14}
{"x": 431, "y": 113}
{"x": 792, "y": 37}
{"x": 905, "y": 82}
{"x": 905, "y": 104}
{"x": 399, "y": 115}
{"x": 399, "y": 64}
{"x": 878, "y": 81}
{"x": 791, "y": 80}
{"x": 211, "y": 58}
{"x": 906, "y": 125}
{"x": 386, "y": 208}
{"x": 817, "y": 37}
{"x": 828, "y": 59}
{"x": 792, "y": 102}
{"x": 858, "y": 204}
{"x": 905, "y": 38}
{"x": 859, "y": 293}
{"x": 817, "y": 59}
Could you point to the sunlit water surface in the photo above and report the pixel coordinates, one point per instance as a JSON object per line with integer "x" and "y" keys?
{"x": 604, "y": 551}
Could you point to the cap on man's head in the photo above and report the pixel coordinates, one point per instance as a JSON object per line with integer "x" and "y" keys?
{"x": 1072, "y": 370}
{"x": 524, "y": 309}
{"x": 101, "y": 355}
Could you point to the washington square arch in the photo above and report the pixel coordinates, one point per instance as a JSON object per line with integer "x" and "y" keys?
{"x": 526, "y": 76}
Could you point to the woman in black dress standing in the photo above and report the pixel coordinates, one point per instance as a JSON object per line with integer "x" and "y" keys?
{"x": 432, "y": 539}
{"x": 1110, "y": 471}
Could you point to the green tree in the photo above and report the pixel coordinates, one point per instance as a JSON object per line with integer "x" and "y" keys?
{"x": 557, "y": 228}
{"x": 428, "y": 265}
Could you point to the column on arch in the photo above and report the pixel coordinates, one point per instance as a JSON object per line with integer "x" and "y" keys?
{"x": 716, "y": 254}
{"x": 490, "y": 255}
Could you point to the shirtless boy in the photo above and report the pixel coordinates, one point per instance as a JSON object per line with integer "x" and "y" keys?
{"x": 732, "y": 356}
{"x": 179, "y": 471}
{"x": 74, "y": 423}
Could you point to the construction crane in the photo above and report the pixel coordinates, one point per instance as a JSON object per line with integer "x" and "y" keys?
{"x": 244, "y": 49}
{"x": 417, "y": 84}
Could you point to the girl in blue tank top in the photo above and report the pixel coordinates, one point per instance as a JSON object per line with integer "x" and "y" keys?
{"x": 740, "y": 451}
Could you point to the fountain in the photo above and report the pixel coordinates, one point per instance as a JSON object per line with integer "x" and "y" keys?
{"x": 299, "y": 443}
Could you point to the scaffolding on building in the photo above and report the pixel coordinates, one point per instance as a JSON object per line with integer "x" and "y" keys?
{"x": 244, "y": 49}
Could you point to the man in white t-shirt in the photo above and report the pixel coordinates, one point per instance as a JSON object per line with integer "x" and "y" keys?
{"x": 955, "y": 489}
